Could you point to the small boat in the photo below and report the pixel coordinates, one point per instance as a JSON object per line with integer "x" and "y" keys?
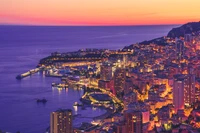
{"x": 53, "y": 84}
{"x": 77, "y": 104}
{"x": 41, "y": 100}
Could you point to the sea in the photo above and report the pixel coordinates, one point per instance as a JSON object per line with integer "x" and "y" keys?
{"x": 21, "y": 48}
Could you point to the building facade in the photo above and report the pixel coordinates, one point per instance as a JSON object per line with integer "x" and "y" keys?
{"x": 178, "y": 94}
{"x": 133, "y": 121}
{"x": 106, "y": 71}
{"x": 119, "y": 80}
{"x": 61, "y": 121}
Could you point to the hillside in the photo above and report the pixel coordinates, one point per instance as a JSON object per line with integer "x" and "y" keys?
{"x": 188, "y": 28}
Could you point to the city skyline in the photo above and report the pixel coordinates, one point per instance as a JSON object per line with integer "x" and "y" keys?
{"x": 147, "y": 87}
{"x": 103, "y": 12}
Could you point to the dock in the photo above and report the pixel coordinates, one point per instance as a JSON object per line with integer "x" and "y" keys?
{"x": 30, "y": 72}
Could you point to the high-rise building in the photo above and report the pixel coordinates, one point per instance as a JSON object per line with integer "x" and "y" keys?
{"x": 119, "y": 80}
{"x": 197, "y": 94}
{"x": 125, "y": 60}
{"x": 129, "y": 98}
{"x": 189, "y": 89}
{"x": 184, "y": 89}
{"x": 128, "y": 85}
{"x": 121, "y": 128}
{"x": 188, "y": 37}
{"x": 133, "y": 121}
{"x": 141, "y": 107}
{"x": 190, "y": 69}
{"x": 178, "y": 94}
{"x": 61, "y": 121}
{"x": 197, "y": 72}
{"x": 179, "y": 49}
{"x": 107, "y": 85}
{"x": 106, "y": 71}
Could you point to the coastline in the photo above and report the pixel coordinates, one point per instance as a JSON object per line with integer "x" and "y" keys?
{"x": 34, "y": 86}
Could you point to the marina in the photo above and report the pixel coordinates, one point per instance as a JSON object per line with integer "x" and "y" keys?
{"x": 59, "y": 85}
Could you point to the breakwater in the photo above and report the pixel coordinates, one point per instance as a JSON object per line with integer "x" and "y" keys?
{"x": 30, "y": 72}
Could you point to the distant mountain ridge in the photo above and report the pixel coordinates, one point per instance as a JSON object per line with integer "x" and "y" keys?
{"x": 188, "y": 28}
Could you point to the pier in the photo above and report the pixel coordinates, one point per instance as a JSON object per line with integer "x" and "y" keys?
{"x": 30, "y": 72}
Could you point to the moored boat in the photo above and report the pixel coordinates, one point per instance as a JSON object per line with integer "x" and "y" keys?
{"x": 77, "y": 104}
{"x": 41, "y": 100}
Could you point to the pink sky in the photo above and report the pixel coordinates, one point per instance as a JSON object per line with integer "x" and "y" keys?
{"x": 98, "y": 12}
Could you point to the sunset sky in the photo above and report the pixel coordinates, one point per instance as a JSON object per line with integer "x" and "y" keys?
{"x": 98, "y": 12}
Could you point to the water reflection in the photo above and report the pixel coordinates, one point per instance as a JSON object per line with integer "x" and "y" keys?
{"x": 75, "y": 109}
{"x": 59, "y": 90}
{"x": 94, "y": 108}
{"x": 43, "y": 74}
{"x": 54, "y": 88}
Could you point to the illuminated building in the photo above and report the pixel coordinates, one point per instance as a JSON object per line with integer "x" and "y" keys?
{"x": 141, "y": 84}
{"x": 173, "y": 70}
{"x": 128, "y": 85}
{"x": 189, "y": 89}
{"x": 121, "y": 128}
{"x": 179, "y": 49}
{"x": 129, "y": 98}
{"x": 178, "y": 94}
{"x": 197, "y": 72}
{"x": 108, "y": 85}
{"x": 133, "y": 121}
{"x": 61, "y": 121}
{"x": 164, "y": 114}
{"x": 125, "y": 60}
{"x": 197, "y": 90}
{"x": 197, "y": 94}
{"x": 103, "y": 84}
{"x": 158, "y": 80}
{"x": 153, "y": 94}
{"x": 111, "y": 85}
{"x": 106, "y": 71}
{"x": 188, "y": 38}
{"x": 141, "y": 107}
{"x": 119, "y": 81}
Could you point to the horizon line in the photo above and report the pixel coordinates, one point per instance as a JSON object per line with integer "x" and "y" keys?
{"x": 54, "y": 25}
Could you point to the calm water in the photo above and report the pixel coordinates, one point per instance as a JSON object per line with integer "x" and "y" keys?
{"x": 21, "y": 47}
